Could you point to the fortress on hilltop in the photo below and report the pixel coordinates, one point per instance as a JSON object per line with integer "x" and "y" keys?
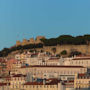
{"x": 30, "y": 41}
{"x": 83, "y": 48}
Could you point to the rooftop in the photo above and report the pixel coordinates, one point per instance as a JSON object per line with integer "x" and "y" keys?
{"x": 52, "y": 82}
{"x": 54, "y": 66}
{"x": 19, "y": 75}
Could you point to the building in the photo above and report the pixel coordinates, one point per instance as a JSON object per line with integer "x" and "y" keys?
{"x": 3, "y": 67}
{"x": 17, "y": 80}
{"x": 77, "y": 61}
{"x": 82, "y": 81}
{"x": 51, "y": 71}
{"x": 11, "y": 64}
{"x": 50, "y": 84}
{"x": 4, "y": 86}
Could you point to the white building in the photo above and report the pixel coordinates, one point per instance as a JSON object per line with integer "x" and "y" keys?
{"x": 82, "y": 81}
{"x": 52, "y": 71}
{"x": 77, "y": 61}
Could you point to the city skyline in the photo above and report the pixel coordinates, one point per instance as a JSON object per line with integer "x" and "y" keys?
{"x": 21, "y": 19}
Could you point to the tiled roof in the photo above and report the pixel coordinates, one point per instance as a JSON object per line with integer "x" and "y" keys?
{"x": 54, "y": 58}
{"x": 19, "y": 75}
{"x": 3, "y": 84}
{"x": 53, "y": 66}
{"x": 83, "y": 56}
{"x": 34, "y": 83}
{"x": 71, "y": 81}
{"x": 84, "y": 76}
{"x": 52, "y": 82}
{"x": 88, "y": 58}
{"x": 2, "y": 60}
{"x": 81, "y": 74}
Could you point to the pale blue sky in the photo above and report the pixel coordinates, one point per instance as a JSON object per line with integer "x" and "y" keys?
{"x": 29, "y": 18}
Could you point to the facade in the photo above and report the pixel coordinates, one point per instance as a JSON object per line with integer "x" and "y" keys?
{"x": 77, "y": 61}
{"x": 4, "y": 86}
{"x": 50, "y": 84}
{"x": 52, "y": 71}
{"x": 17, "y": 80}
{"x": 42, "y": 71}
{"x": 11, "y": 64}
{"x": 3, "y": 66}
{"x": 82, "y": 81}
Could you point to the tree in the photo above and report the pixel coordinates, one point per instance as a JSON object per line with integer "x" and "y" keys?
{"x": 75, "y": 53}
{"x": 64, "y": 52}
{"x": 58, "y": 55}
{"x": 54, "y": 50}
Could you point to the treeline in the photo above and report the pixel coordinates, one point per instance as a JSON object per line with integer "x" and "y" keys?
{"x": 61, "y": 40}
{"x": 6, "y": 51}
{"x": 67, "y": 40}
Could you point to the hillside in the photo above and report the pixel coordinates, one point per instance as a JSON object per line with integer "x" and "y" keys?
{"x": 63, "y": 42}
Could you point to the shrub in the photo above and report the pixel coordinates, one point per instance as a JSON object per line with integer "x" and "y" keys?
{"x": 64, "y": 52}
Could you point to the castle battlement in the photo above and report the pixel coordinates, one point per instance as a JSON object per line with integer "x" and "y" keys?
{"x": 30, "y": 41}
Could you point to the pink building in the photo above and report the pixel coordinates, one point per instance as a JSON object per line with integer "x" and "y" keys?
{"x": 11, "y": 64}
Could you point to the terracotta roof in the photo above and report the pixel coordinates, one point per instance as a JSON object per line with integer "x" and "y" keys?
{"x": 84, "y": 76}
{"x": 54, "y": 58}
{"x": 8, "y": 78}
{"x": 34, "y": 54}
{"x": 53, "y": 66}
{"x": 34, "y": 83}
{"x": 3, "y": 84}
{"x": 81, "y": 74}
{"x": 71, "y": 81}
{"x": 19, "y": 75}
{"x": 52, "y": 82}
{"x": 81, "y": 58}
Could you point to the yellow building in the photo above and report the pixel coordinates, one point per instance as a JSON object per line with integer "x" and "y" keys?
{"x": 50, "y": 84}
{"x": 82, "y": 81}
{"x": 17, "y": 80}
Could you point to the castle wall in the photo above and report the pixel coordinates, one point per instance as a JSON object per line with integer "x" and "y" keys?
{"x": 30, "y": 41}
{"x": 59, "y": 48}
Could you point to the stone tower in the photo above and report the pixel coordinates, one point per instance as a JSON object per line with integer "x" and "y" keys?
{"x": 18, "y": 43}
{"x": 24, "y": 42}
{"x": 38, "y": 39}
{"x": 31, "y": 41}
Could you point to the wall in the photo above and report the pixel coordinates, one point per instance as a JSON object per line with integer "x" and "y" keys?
{"x": 59, "y": 48}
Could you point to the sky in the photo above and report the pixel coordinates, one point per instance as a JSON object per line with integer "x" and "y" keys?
{"x": 21, "y": 19}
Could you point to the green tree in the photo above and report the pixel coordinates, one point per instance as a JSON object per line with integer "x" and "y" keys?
{"x": 75, "y": 53}
{"x": 54, "y": 50}
{"x": 64, "y": 52}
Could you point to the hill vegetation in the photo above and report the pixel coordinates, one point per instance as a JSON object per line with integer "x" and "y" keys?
{"x": 67, "y": 39}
